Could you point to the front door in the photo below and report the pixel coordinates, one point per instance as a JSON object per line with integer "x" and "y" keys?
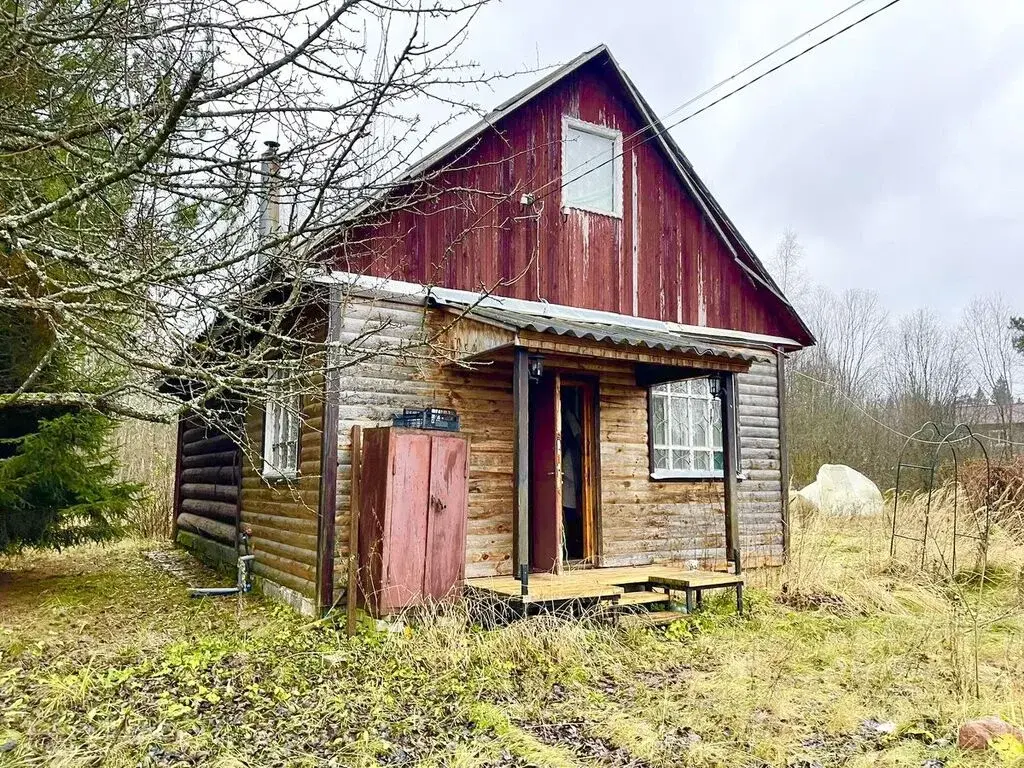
{"x": 563, "y": 473}
{"x": 545, "y": 491}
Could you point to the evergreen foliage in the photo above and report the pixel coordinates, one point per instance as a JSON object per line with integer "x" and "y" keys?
{"x": 60, "y": 487}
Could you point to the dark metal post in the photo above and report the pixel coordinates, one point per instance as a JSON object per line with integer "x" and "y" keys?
{"x": 521, "y": 461}
{"x": 729, "y": 436}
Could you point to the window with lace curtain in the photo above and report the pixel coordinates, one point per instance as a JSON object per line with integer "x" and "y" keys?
{"x": 281, "y": 423}
{"x": 686, "y": 430}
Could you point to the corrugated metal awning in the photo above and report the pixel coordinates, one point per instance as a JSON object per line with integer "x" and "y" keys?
{"x": 622, "y": 333}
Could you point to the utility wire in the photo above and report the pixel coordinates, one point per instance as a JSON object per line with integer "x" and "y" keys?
{"x": 777, "y": 67}
{"x": 733, "y": 76}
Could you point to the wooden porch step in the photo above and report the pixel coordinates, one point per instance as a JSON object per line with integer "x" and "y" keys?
{"x": 641, "y": 597}
{"x": 651, "y": 619}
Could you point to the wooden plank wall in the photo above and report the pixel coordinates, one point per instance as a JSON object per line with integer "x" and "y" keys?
{"x": 282, "y": 516}
{"x": 662, "y": 258}
{"x": 642, "y": 521}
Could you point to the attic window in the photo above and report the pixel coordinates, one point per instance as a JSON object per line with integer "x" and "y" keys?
{"x": 591, "y": 167}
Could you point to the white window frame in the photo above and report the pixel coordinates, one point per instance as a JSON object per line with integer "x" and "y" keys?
{"x": 568, "y": 173}
{"x": 281, "y": 422}
{"x": 701, "y": 405}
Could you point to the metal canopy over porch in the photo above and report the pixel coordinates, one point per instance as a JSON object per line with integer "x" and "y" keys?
{"x": 659, "y": 353}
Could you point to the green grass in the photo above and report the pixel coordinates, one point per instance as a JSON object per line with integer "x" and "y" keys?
{"x": 105, "y": 661}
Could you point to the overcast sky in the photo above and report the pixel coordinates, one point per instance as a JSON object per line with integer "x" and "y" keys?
{"x": 896, "y": 151}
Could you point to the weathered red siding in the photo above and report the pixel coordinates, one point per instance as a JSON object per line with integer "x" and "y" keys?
{"x": 473, "y": 233}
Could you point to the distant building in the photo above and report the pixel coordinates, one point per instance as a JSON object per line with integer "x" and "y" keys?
{"x": 1000, "y": 422}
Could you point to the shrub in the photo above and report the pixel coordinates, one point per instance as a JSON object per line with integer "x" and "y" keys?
{"x": 59, "y": 487}
{"x": 1005, "y": 485}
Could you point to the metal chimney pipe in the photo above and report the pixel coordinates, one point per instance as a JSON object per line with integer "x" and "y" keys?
{"x": 270, "y": 192}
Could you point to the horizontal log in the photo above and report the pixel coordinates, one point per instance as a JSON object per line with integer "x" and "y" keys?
{"x": 213, "y": 529}
{"x": 210, "y": 491}
{"x": 285, "y": 564}
{"x": 218, "y": 459}
{"x": 212, "y": 475}
{"x": 194, "y": 434}
{"x": 304, "y": 542}
{"x": 207, "y": 445}
{"x": 305, "y": 555}
{"x": 305, "y": 525}
{"x": 220, "y": 510}
{"x": 300, "y": 584}
{"x": 301, "y": 505}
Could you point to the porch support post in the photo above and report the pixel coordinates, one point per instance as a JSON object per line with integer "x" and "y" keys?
{"x": 327, "y": 504}
{"x": 730, "y": 434}
{"x": 521, "y": 461}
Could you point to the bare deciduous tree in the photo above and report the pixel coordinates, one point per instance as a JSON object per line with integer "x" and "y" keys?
{"x": 787, "y": 266}
{"x": 994, "y": 361}
{"x": 131, "y": 165}
{"x": 925, "y": 368}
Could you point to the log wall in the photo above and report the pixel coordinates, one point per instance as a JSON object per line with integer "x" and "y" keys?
{"x": 207, "y": 483}
{"x": 408, "y": 377}
{"x": 281, "y": 516}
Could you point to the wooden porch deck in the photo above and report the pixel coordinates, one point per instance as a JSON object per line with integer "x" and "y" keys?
{"x": 604, "y": 584}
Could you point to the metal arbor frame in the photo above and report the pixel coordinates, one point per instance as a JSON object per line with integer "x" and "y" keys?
{"x": 955, "y": 441}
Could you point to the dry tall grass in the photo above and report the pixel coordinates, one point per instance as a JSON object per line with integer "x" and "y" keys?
{"x": 146, "y": 452}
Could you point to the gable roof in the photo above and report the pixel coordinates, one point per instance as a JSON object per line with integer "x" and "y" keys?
{"x": 742, "y": 253}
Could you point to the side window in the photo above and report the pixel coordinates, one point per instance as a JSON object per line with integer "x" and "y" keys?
{"x": 591, "y": 167}
{"x": 686, "y": 430}
{"x": 281, "y": 423}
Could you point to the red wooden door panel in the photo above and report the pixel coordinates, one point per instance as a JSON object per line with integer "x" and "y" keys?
{"x": 446, "y": 517}
{"x": 545, "y": 483}
{"x": 406, "y": 530}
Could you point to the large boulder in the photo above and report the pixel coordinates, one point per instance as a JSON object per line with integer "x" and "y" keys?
{"x": 805, "y": 501}
{"x": 838, "y": 490}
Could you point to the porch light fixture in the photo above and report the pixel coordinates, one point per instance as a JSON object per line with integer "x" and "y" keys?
{"x": 535, "y": 367}
{"x": 715, "y": 385}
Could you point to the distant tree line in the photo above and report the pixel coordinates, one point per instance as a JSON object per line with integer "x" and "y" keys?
{"x": 874, "y": 377}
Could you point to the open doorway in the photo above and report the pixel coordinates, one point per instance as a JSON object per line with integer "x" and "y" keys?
{"x": 563, "y": 473}
{"x": 572, "y": 474}
{"x": 577, "y": 417}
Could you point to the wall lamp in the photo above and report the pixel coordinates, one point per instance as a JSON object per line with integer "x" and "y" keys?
{"x": 535, "y": 367}
{"x": 715, "y": 385}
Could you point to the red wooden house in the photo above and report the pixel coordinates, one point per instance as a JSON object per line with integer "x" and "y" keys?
{"x": 612, "y": 345}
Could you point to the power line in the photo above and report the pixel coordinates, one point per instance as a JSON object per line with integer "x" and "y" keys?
{"x": 736, "y": 74}
{"x": 777, "y": 67}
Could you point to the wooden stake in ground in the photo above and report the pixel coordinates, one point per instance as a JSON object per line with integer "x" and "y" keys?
{"x": 353, "y": 530}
